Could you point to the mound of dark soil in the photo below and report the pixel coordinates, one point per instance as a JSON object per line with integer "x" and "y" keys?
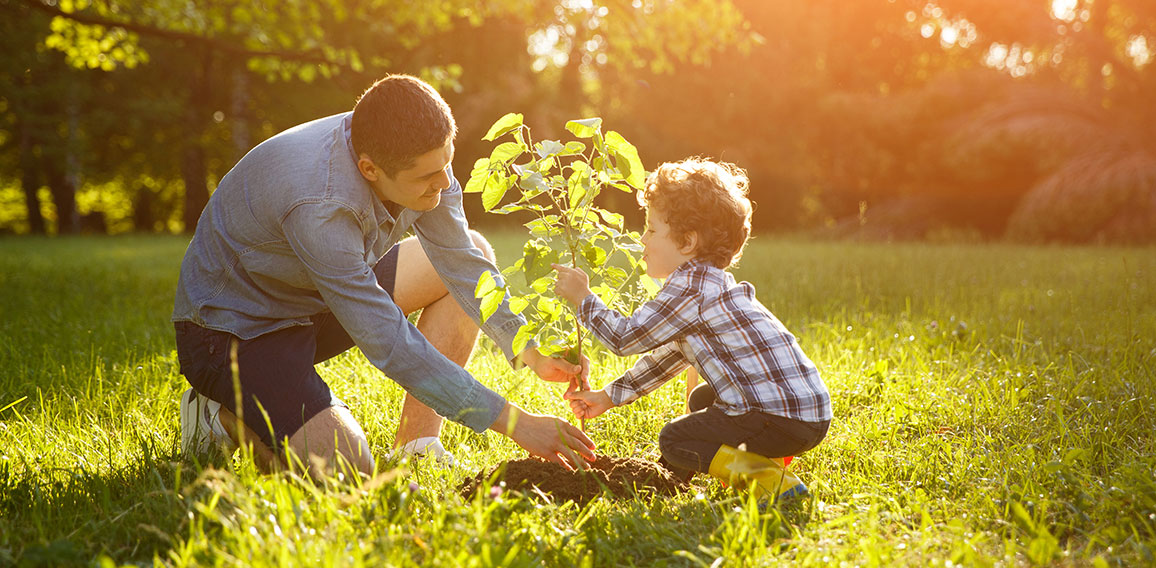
{"x": 621, "y": 477}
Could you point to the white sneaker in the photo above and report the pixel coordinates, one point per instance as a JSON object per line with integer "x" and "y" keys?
{"x": 430, "y": 446}
{"x": 201, "y": 427}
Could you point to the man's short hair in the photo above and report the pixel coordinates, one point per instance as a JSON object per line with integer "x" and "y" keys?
{"x": 704, "y": 197}
{"x": 398, "y": 119}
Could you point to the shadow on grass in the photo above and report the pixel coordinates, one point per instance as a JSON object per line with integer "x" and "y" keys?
{"x": 713, "y": 524}
{"x": 68, "y": 517}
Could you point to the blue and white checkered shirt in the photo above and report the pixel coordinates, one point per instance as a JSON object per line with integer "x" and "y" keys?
{"x": 702, "y": 317}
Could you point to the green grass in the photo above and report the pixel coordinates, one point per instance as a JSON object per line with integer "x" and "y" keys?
{"x": 994, "y": 405}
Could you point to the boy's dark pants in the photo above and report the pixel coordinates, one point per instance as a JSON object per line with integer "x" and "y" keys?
{"x": 689, "y": 442}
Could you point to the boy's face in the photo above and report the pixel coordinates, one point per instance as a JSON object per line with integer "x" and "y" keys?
{"x": 662, "y": 252}
{"x": 418, "y": 188}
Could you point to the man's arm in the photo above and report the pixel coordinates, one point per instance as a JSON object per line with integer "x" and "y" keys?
{"x": 444, "y": 235}
{"x": 546, "y": 437}
{"x": 329, "y": 242}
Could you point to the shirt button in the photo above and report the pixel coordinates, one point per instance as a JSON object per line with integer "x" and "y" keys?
{"x": 212, "y": 349}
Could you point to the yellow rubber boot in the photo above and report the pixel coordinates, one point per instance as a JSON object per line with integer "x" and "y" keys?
{"x": 771, "y": 480}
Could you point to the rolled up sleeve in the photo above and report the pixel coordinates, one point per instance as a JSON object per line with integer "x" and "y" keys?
{"x": 330, "y": 243}
{"x": 444, "y": 236}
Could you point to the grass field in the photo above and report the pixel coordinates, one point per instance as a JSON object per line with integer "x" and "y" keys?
{"x": 994, "y": 405}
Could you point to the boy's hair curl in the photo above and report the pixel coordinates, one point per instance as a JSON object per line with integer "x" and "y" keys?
{"x": 704, "y": 197}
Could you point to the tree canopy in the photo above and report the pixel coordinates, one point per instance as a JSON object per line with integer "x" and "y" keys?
{"x": 881, "y": 118}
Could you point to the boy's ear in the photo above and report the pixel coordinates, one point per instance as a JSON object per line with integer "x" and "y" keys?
{"x": 690, "y": 243}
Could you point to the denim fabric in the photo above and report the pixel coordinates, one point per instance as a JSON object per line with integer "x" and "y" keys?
{"x": 293, "y": 230}
{"x": 279, "y": 388}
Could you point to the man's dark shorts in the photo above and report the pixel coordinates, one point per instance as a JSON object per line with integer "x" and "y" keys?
{"x": 280, "y": 388}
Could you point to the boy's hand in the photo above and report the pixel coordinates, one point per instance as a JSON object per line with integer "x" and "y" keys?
{"x": 588, "y": 404}
{"x": 572, "y": 284}
{"x": 546, "y": 437}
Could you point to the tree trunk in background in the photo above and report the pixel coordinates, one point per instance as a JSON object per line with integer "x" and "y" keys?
{"x": 194, "y": 170}
{"x": 30, "y": 181}
{"x": 63, "y": 196}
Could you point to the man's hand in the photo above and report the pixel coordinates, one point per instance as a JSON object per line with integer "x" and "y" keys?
{"x": 588, "y": 404}
{"x": 572, "y": 284}
{"x": 546, "y": 437}
{"x": 556, "y": 369}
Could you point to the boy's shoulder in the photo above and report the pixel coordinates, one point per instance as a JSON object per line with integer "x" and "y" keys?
{"x": 701, "y": 277}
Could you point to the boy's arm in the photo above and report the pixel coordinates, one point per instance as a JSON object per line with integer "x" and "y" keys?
{"x": 667, "y": 317}
{"x": 650, "y": 372}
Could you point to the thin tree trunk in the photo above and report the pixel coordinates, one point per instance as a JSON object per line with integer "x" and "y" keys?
{"x": 63, "y": 196}
{"x": 30, "y": 181}
{"x": 194, "y": 170}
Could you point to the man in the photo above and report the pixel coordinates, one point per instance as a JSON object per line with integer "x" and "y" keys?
{"x": 296, "y": 259}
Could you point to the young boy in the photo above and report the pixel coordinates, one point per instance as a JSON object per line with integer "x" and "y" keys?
{"x": 762, "y": 398}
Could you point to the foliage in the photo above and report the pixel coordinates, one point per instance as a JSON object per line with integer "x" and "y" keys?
{"x": 894, "y": 105}
{"x": 559, "y": 183}
{"x": 929, "y": 114}
{"x": 994, "y": 406}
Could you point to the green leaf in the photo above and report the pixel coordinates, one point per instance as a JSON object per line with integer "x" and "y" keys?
{"x": 615, "y": 276}
{"x": 532, "y": 184}
{"x": 495, "y": 190}
{"x": 650, "y": 285}
{"x": 611, "y": 218}
{"x": 626, "y": 159}
{"x": 549, "y": 148}
{"x": 596, "y": 256}
{"x": 573, "y": 147}
{"x": 478, "y": 177}
{"x": 538, "y": 257}
{"x": 523, "y": 337}
{"x": 505, "y": 152}
{"x": 544, "y": 227}
{"x": 491, "y": 302}
{"x": 585, "y": 128}
{"x": 518, "y": 304}
{"x": 542, "y": 284}
{"x": 486, "y": 284}
{"x": 511, "y": 121}
{"x": 549, "y": 307}
{"x": 578, "y": 185}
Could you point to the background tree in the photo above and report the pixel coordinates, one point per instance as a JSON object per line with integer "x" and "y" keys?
{"x": 881, "y": 118}
{"x": 222, "y": 54}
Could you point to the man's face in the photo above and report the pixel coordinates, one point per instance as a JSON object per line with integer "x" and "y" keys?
{"x": 418, "y": 188}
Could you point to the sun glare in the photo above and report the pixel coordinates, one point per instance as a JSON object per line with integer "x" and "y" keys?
{"x": 951, "y": 32}
{"x": 1139, "y": 50}
{"x": 1064, "y": 9}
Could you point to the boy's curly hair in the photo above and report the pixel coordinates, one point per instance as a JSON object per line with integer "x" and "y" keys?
{"x": 704, "y": 197}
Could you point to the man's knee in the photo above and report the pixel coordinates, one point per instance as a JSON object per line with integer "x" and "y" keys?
{"x": 481, "y": 242}
{"x": 332, "y": 441}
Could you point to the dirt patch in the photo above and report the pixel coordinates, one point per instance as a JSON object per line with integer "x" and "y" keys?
{"x": 620, "y": 477}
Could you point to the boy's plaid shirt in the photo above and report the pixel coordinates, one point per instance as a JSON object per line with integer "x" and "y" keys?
{"x": 702, "y": 317}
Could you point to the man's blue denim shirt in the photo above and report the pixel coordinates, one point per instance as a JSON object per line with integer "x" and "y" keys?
{"x": 293, "y": 230}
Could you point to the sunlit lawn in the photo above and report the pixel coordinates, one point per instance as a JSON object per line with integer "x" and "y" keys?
{"x": 994, "y": 405}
